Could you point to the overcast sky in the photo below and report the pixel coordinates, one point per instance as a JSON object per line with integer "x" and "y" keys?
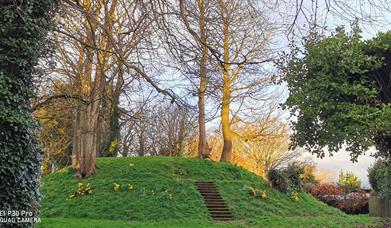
{"x": 341, "y": 161}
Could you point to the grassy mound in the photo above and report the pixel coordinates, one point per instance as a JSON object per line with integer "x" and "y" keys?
{"x": 163, "y": 189}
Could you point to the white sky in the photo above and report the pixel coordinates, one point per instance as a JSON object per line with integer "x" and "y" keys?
{"x": 341, "y": 161}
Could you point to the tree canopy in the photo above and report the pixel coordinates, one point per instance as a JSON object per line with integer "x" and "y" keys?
{"x": 339, "y": 93}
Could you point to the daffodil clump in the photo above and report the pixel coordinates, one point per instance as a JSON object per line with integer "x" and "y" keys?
{"x": 117, "y": 187}
{"x": 257, "y": 193}
{"x": 82, "y": 189}
{"x": 295, "y": 196}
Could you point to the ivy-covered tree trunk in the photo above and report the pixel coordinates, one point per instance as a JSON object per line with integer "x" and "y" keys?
{"x": 23, "y": 28}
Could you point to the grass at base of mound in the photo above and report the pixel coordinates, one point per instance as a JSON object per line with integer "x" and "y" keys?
{"x": 347, "y": 221}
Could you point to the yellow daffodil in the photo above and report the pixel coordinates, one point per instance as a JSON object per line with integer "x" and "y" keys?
{"x": 130, "y": 187}
{"x": 295, "y": 196}
{"x": 116, "y": 187}
{"x": 264, "y": 194}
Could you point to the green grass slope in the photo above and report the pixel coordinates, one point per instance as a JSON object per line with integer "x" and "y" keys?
{"x": 163, "y": 190}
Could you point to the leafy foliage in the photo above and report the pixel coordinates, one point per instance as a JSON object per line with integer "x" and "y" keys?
{"x": 279, "y": 180}
{"x": 339, "y": 92}
{"x": 55, "y": 135}
{"x": 348, "y": 181}
{"x": 379, "y": 177}
{"x": 287, "y": 179}
{"x": 23, "y": 27}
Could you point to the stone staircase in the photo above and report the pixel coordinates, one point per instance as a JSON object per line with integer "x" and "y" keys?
{"x": 218, "y": 209}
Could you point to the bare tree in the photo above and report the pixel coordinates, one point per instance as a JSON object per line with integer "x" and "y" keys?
{"x": 245, "y": 34}
{"x": 159, "y": 129}
{"x": 98, "y": 53}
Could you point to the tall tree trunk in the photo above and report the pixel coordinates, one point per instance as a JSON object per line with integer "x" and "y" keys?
{"x": 76, "y": 141}
{"x": 226, "y": 155}
{"x": 89, "y": 143}
{"x": 87, "y": 150}
{"x": 181, "y": 137}
{"x": 85, "y": 144}
{"x": 202, "y": 141}
{"x": 141, "y": 151}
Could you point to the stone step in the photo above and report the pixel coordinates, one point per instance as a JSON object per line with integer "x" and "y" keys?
{"x": 213, "y": 198}
{"x": 225, "y": 215}
{"x": 211, "y": 207}
{"x": 208, "y": 190}
{"x": 222, "y": 216}
{"x": 210, "y": 194}
{"x": 214, "y": 203}
{"x": 219, "y": 212}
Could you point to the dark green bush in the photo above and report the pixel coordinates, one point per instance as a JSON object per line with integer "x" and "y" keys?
{"x": 372, "y": 174}
{"x": 279, "y": 180}
{"x": 294, "y": 172}
{"x": 287, "y": 179}
{"x": 379, "y": 175}
{"x": 23, "y": 28}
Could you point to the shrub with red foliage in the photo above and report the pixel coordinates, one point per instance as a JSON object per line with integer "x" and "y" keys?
{"x": 321, "y": 190}
{"x": 351, "y": 203}
{"x": 354, "y": 203}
